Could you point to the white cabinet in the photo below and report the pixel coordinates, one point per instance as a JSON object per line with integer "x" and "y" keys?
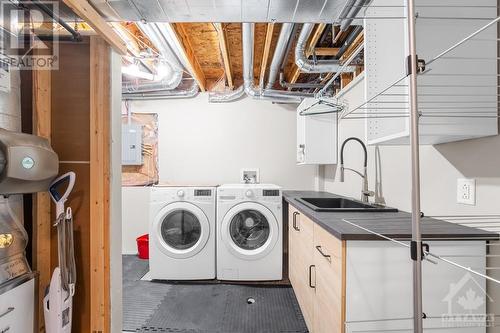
{"x": 379, "y": 287}
{"x": 17, "y": 308}
{"x": 316, "y": 134}
{"x": 454, "y": 90}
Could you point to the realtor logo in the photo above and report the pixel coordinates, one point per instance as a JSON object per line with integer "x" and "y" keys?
{"x": 466, "y": 300}
{"x": 20, "y": 46}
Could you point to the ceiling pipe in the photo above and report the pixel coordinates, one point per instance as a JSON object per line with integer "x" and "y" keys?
{"x": 279, "y": 53}
{"x": 189, "y": 92}
{"x": 310, "y": 66}
{"x": 285, "y": 84}
{"x": 345, "y": 10}
{"x": 350, "y": 39}
{"x": 77, "y": 37}
{"x": 347, "y": 21}
{"x": 248, "y": 78}
{"x": 289, "y": 46}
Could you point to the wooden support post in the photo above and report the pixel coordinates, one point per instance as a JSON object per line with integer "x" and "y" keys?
{"x": 100, "y": 105}
{"x": 42, "y": 222}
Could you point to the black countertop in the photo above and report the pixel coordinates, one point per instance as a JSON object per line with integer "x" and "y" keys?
{"x": 390, "y": 224}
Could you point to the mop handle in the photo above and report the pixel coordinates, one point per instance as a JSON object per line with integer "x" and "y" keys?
{"x": 58, "y": 198}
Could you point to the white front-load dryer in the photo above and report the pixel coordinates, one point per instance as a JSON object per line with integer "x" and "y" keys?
{"x": 249, "y": 232}
{"x": 182, "y": 233}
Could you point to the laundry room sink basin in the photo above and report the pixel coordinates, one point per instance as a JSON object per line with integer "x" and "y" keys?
{"x": 342, "y": 205}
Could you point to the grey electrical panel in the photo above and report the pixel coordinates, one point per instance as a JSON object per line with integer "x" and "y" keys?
{"x": 131, "y": 144}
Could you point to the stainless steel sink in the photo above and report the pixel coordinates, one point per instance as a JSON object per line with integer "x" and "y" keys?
{"x": 342, "y": 205}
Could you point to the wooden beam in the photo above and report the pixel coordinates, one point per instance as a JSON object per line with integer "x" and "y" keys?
{"x": 315, "y": 38}
{"x": 354, "y": 45}
{"x": 345, "y": 79}
{"x": 83, "y": 9}
{"x": 225, "y": 53}
{"x": 100, "y": 106}
{"x": 194, "y": 66}
{"x": 42, "y": 220}
{"x": 265, "y": 54}
{"x": 294, "y": 74}
{"x": 326, "y": 51}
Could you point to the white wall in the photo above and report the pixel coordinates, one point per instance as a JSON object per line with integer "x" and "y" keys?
{"x": 202, "y": 143}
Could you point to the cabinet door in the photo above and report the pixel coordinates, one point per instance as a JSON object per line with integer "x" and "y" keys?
{"x": 16, "y": 308}
{"x": 329, "y": 300}
{"x": 301, "y": 262}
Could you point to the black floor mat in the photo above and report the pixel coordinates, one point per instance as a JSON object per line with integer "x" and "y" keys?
{"x": 140, "y": 298}
{"x": 205, "y": 308}
{"x": 225, "y": 309}
{"x": 133, "y": 268}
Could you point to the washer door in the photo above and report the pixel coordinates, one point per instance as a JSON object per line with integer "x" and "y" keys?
{"x": 249, "y": 230}
{"x": 181, "y": 230}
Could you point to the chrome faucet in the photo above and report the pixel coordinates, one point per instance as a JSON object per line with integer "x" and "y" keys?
{"x": 365, "y": 193}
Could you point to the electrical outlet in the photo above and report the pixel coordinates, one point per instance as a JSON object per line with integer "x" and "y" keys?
{"x": 466, "y": 191}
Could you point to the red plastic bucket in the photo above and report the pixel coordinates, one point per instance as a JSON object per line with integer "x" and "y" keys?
{"x": 143, "y": 246}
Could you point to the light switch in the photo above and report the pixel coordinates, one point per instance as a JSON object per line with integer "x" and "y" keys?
{"x": 466, "y": 191}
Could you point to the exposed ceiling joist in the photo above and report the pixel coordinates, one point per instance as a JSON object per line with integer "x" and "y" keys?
{"x": 320, "y": 28}
{"x": 267, "y": 50}
{"x": 83, "y": 9}
{"x": 326, "y": 51}
{"x": 225, "y": 53}
{"x": 194, "y": 65}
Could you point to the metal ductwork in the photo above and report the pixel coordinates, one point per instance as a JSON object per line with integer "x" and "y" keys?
{"x": 279, "y": 53}
{"x": 248, "y": 84}
{"x": 354, "y": 10}
{"x": 171, "y": 80}
{"x": 226, "y": 96}
{"x": 310, "y": 66}
{"x": 189, "y": 92}
{"x": 172, "y": 69}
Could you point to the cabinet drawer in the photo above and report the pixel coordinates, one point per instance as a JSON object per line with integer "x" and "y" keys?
{"x": 326, "y": 243}
{"x": 300, "y": 224}
{"x": 16, "y": 308}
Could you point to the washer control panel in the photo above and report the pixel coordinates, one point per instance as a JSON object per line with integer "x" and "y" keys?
{"x": 195, "y": 194}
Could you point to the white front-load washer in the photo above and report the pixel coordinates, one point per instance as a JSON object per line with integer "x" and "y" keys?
{"x": 182, "y": 233}
{"x": 249, "y": 232}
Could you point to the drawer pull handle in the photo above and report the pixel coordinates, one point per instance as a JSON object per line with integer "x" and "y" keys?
{"x": 9, "y": 310}
{"x": 294, "y": 224}
{"x": 327, "y": 256}
{"x": 310, "y": 276}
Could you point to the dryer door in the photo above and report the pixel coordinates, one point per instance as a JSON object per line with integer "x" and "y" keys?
{"x": 180, "y": 230}
{"x": 250, "y": 230}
